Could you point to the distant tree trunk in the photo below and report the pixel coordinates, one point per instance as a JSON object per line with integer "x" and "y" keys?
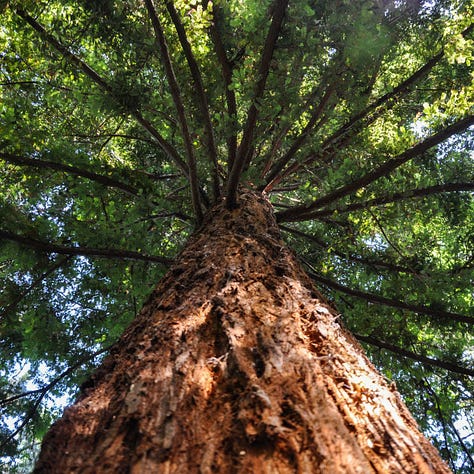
{"x": 237, "y": 365}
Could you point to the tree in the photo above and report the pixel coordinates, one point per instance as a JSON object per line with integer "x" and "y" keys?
{"x": 139, "y": 137}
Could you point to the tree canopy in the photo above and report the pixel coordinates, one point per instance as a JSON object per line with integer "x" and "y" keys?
{"x": 122, "y": 121}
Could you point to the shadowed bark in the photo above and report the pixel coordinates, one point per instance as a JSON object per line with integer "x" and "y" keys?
{"x": 236, "y": 364}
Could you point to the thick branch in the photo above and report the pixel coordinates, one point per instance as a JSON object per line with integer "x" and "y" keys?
{"x": 388, "y": 99}
{"x": 176, "y": 94}
{"x": 226, "y": 69}
{"x": 36, "y": 163}
{"x": 302, "y": 212}
{"x": 200, "y": 94}
{"x": 356, "y": 123}
{"x": 162, "y": 142}
{"x": 85, "y": 251}
{"x": 413, "y": 193}
{"x": 377, "y": 299}
{"x": 418, "y": 357}
{"x": 279, "y": 8}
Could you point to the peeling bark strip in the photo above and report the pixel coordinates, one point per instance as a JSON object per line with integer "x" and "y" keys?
{"x": 237, "y": 365}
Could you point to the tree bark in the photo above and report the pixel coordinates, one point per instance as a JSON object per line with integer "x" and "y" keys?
{"x": 237, "y": 365}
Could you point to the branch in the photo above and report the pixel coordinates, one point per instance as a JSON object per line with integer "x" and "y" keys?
{"x": 200, "y": 93}
{"x": 226, "y": 69}
{"x": 279, "y": 8}
{"x": 387, "y": 239}
{"x": 37, "y": 163}
{"x": 43, "y": 391}
{"x": 300, "y": 140}
{"x": 33, "y": 285}
{"x": 36, "y": 83}
{"x": 111, "y": 135}
{"x": 304, "y": 212}
{"x": 352, "y": 127}
{"x": 162, "y": 142}
{"x": 85, "y": 251}
{"x": 176, "y": 94}
{"x": 418, "y": 357}
{"x": 413, "y": 193}
{"x": 377, "y": 299}
{"x": 345, "y": 256}
{"x": 466, "y": 450}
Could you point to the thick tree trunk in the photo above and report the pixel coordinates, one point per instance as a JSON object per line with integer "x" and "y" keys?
{"x": 236, "y": 364}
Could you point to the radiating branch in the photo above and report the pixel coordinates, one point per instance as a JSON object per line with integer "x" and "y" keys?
{"x": 366, "y": 116}
{"x": 226, "y": 69}
{"x": 411, "y": 194}
{"x": 243, "y": 153}
{"x": 385, "y": 236}
{"x": 303, "y": 212}
{"x": 45, "y": 164}
{"x": 176, "y": 95}
{"x": 95, "y": 136}
{"x": 467, "y": 451}
{"x": 43, "y": 391}
{"x": 166, "y": 146}
{"x": 36, "y": 282}
{"x": 84, "y": 251}
{"x": 301, "y": 139}
{"x": 370, "y": 262}
{"x": 457, "y": 369}
{"x": 200, "y": 94}
{"x": 377, "y": 299}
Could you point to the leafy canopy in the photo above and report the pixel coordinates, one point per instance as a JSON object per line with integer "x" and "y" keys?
{"x": 123, "y": 120}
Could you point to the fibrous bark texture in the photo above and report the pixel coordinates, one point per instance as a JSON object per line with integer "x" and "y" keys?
{"x": 237, "y": 365}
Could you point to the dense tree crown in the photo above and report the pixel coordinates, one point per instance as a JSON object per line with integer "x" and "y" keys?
{"x": 123, "y": 121}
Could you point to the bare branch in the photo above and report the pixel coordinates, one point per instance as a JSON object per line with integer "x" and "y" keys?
{"x": 176, "y": 94}
{"x": 457, "y": 369}
{"x": 85, "y": 251}
{"x": 304, "y": 212}
{"x": 243, "y": 154}
{"x": 200, "y": 93}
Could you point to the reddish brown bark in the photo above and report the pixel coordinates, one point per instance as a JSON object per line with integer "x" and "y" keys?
{"x": 236, "y": 364}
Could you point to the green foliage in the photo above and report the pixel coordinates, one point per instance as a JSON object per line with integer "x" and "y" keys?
{"x": 95, "y": 175}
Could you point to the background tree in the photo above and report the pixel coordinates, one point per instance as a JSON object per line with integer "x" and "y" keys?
{"x": 122, "y": 122}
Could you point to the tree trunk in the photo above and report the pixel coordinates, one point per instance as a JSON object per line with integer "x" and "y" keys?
{"x": 237, "y": 365}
